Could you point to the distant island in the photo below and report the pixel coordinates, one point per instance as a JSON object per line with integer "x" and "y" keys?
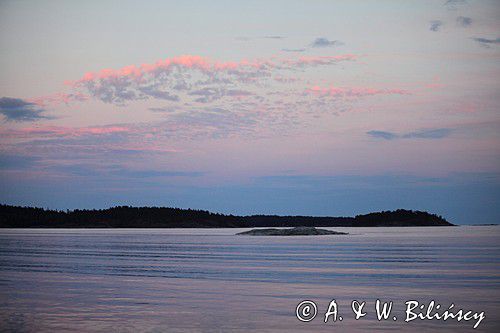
{"x": 297, "y": 231}
{"x": 163, "y": 217}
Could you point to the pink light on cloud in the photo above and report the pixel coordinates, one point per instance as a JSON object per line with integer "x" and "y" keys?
{"x": 59, "y": 131}
{"x": 186, "y": 61}
{"x": 102, "y": 130}
{"x": 207, "y": 65}
{"x": 192, "y": 78}
{"x": 186, "y": 78}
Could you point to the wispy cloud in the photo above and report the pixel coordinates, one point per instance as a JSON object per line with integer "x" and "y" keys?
{"x": 325, "y": 42}
{"x": 210, "y": 94}
{"x": 221, "y": 121}
{"x": 435, "y": 25}
{"x": 247, "y": 38}
{"x": 274, "y": 37}
{"x": 145, "y": 173}
{"x": 88, "y": 169}
{"x": 486, "y": 42}
{"x": 293, "y": 50}
{"x": 62, "y": 132}
{"x": 454, "y": 4}
{"x": 168, "y": 109}
{"x": 352, "y": 92}
{"x": 382, "y": 135}
{"x": 312, "y": 61}
{"x": 464, "y": 21}
{"x": 438, "y": 133}
{"x": 16, "y": 109}
{"x": 58, "y": 98}
{"x": 317, "y": 60}
{"x": 138, "y": 144}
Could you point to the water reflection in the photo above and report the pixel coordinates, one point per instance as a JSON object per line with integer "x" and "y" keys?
{"x": 211, "y": 280}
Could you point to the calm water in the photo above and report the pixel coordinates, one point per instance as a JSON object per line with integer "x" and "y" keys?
{"x": 176, "y": 280}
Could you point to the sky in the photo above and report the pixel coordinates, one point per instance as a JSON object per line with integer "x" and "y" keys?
{"x": 252, "y": 107}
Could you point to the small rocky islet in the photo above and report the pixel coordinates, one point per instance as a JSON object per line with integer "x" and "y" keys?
{"x": 297, "y": 231}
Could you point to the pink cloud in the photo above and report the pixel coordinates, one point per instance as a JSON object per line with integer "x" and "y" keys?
{"x": 185, "y": 61}
{"x": 173, "y": 80}
{"x": 205, "y": 64}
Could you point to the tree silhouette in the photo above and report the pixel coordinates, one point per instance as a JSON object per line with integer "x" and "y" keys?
{"x": 163, "y": 217}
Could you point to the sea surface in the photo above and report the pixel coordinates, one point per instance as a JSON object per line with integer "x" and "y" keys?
{"x": 209, "y": 280}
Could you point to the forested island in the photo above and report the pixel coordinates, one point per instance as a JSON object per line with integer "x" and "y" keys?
{"x": 163, "y": 217}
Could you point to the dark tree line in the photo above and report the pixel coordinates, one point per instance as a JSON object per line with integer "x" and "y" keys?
{"x": 162, "y": 217}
